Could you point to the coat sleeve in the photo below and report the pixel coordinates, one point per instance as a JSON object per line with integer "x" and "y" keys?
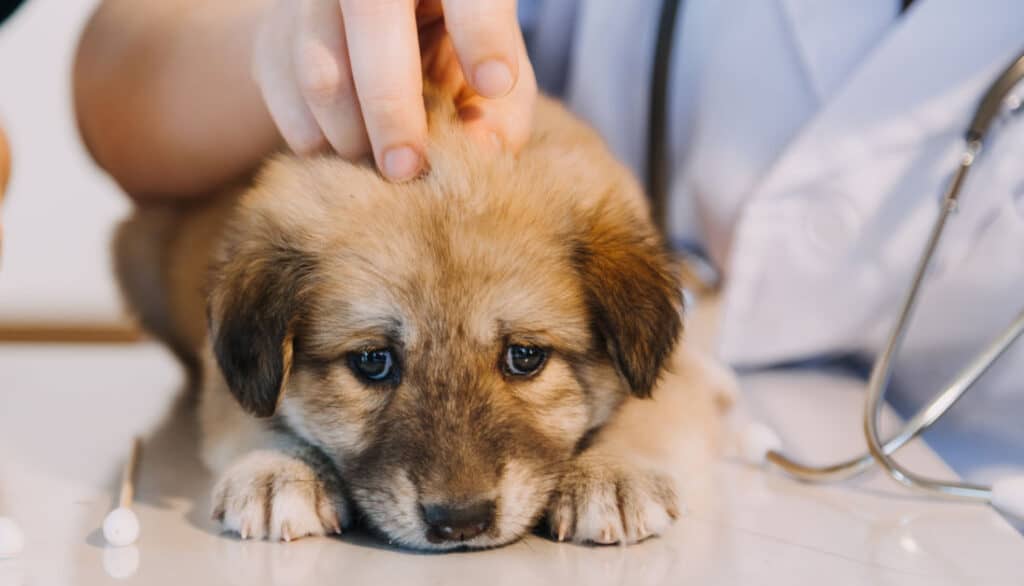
{"x": 549, "y": 28}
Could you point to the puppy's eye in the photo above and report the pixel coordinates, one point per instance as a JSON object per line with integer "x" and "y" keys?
{"x": 524, "y": 360}
{"x": 374, "y": 366}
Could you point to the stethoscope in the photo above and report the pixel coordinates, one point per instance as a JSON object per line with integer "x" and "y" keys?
{"x": 761, "y": 443}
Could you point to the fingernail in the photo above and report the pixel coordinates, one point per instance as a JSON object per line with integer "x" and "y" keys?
{"x": 493, "y": 79}
{"x": 401, "y": 163}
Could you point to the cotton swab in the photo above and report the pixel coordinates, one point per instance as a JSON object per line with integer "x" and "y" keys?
{"x": 121, "y": 526}
{"x": 755, "y": 441}
{"x": 1008, "y": 496}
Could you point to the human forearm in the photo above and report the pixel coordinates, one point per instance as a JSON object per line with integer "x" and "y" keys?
{"x": 167, "y": 104}
{"x": 164, "y": 98}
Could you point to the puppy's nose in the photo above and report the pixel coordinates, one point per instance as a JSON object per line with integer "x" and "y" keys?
{"x": 457, "y": 523}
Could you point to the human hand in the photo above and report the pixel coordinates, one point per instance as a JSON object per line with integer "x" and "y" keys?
{"x": 349, "y": 74}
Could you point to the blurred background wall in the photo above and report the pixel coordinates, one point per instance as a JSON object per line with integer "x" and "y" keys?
{"x": 60, "y": 209}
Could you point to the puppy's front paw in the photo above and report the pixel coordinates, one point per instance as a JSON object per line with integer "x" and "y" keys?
{"x": 608, "y": 501}
{"x": 272, "y": 495}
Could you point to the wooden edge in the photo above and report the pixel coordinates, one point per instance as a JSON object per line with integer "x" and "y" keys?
{"x": 70, "y": 334}
{"x": 125, "y": 333}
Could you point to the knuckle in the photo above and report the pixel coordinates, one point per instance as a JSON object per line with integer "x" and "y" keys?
{"x": 388, "y": 108}
{"x": 484, "y": 29}
{"x": 385, "y": 100}
{"x": 320, "y": 76}
{"x": 305, "y": 144}
{"x": 374, "y": 8}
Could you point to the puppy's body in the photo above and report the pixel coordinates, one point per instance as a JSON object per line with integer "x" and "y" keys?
{"x": 321, "y": 264}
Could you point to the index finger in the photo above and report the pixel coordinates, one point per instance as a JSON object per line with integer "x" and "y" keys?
{"x": 485, "y": 35}
{"x": 383, "y": 49}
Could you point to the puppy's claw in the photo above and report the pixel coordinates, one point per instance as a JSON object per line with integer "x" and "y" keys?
{"x": 606, "y": 535}
{"x": 286, "y": 532}
{"x": 563, "y": 529}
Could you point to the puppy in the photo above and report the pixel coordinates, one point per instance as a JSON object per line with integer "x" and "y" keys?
{"x": 455, "y": 358}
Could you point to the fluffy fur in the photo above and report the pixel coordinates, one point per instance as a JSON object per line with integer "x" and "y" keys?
{"x": 267, "y": 289}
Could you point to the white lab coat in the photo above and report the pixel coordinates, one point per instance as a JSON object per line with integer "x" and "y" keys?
{"x": 810, "y": 142}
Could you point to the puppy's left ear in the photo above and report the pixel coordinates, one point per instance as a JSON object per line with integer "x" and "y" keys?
{"x": 633, "y": 294}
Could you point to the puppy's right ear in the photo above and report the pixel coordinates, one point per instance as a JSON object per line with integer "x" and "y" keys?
{"x": 255, "y": 292}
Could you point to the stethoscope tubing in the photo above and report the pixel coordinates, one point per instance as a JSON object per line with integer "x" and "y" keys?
{"x": 986, "y": 113}
{"x": 879, "y": 452}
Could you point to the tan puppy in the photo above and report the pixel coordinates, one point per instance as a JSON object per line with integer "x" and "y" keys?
{"x": 455, "y": 357}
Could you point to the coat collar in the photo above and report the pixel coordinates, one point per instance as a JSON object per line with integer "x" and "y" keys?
{"x": 829, "y": 53}
{"x": 921, "y": 80}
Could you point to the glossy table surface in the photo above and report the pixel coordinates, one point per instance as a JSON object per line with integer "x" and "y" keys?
{"x": 68, "y": 413}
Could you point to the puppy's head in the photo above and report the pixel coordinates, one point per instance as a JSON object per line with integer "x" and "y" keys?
{"x": 450, "y": 342}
